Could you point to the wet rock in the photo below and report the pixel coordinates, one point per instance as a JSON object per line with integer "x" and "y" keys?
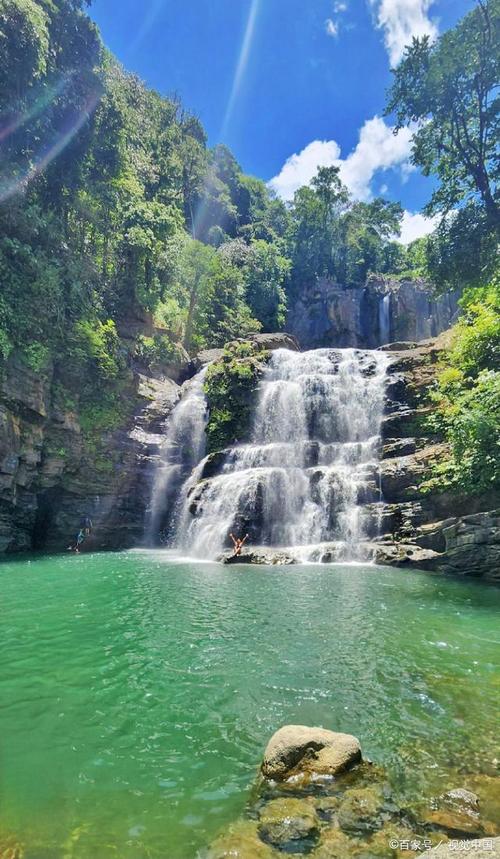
{"x": 487, "y": 787}
{"x": 10, "y": 848}
{"x": 456, "y": 824}
{"x": 456, "y": 812}
{"x": 462, "y": 545}
{"x": 326, "y": 807}
{"x": 462, "y": 797}
{"x": 405, "y": 555}
{"x": 212, "y": 464}
{"x": 207, "y": 356}
{"x": 265, "y": 557}
{"x": 242, "y": 841}
{"x": 483, "y": 848}
{"x": 335, "y": 844}
{"x": 289, "y": 824}
{"x": 297, "y": 748}
{"x": 401, "y": 477}
{"x": 398, "y": 447}
{"x": 159, "y": 397}
{"x": 362, "y": 810}
{"x": 276, "y": 341}
{"x": 473, "y": 546}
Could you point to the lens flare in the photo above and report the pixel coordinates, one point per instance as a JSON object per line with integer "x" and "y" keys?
{"x": 148, "y": 23}
{"x": 37, "y": 108}
{"x": 244, "y": 55}
{"x": 245, "y": 50}
{"x": 19, "y": 183}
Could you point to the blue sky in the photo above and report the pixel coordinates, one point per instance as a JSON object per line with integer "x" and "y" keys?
{"x": 278, "y": 78}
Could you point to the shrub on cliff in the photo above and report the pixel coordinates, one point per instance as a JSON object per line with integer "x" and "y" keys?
{"x": 468, "y": 397}
{"x": 230, "y": 386}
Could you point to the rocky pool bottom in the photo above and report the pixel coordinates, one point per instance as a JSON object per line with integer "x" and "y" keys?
{"x": 139, "y": 692}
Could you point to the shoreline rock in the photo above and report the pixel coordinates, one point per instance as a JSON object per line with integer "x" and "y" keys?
{"x": 298, "y": 749}
{"x": 318, "y": 798}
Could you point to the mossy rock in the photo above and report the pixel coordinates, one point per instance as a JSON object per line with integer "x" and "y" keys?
{"x": 241, "y": 842}
{"x": 335, "y": 844}
{"x": 289, "y": 824}
{"x": 230, "y": 386}
{"x": 362, "y": 810}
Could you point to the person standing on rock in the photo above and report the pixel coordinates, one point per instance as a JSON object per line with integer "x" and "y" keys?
{"x": 238, "y": 544}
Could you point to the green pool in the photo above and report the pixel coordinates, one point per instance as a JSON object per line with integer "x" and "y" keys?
{"x": 137, "y": 693}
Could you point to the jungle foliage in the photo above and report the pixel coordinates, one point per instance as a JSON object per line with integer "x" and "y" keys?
{"x": 467, "y": 397}
{"x": 114, "y": 211}
{"x": 230, "y": 385}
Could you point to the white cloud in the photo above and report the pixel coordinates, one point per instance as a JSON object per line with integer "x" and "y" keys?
{"x": 414, "y": 226}
{"x": 401, "y": 20}
{"x": 299, "y": 169}
{"x": 331, "y": 27}
{"x": 378, "y": 148}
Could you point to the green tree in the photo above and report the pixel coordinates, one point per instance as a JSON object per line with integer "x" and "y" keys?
{"x": 368, "y": 229}
{"x": 450, "y": 89}
{"x": 266, "y": 272}
{"x": 467, "y": 398}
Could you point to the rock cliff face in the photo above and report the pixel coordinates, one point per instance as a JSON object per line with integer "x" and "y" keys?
{"x": 444, "y": 532}
{"x": 50, "y": 476}
{"x": 382, "y": 312}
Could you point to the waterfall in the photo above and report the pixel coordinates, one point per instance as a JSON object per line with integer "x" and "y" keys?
{"x": 309, "y": 475}
{"x": 384, "y": 319}
{"x": 182, "y": 449}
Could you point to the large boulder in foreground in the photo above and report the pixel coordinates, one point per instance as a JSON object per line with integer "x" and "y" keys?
{"x": 299, "y": 749}
{"x": 481, "y": 848}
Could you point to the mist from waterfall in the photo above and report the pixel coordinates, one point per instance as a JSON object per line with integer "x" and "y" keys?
{"x": 309, "y": 475}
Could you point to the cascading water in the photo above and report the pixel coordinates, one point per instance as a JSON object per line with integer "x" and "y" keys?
{"x": 310, "y": 474}
{"x": 384, "y": 319}
{"x": 182, "y": 450}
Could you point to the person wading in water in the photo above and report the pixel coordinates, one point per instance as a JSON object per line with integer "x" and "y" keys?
{"x": 238, "y": 544}
{"x": 79, "y": 540}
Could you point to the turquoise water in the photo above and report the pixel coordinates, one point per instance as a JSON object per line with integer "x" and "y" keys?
{"x": 137, "y": 694}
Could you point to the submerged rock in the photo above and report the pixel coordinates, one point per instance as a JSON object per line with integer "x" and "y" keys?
{"x": 334, "y": 845}
{"x": 297, "y": 748}
{"x": 289, "y": 824}
{"x": 10, "y": 848}
{"x": 456, "y": 813}
{"x": 462, "y": 797}
{"x": 361, "y": 810}
{"x": 240, "y": 842}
